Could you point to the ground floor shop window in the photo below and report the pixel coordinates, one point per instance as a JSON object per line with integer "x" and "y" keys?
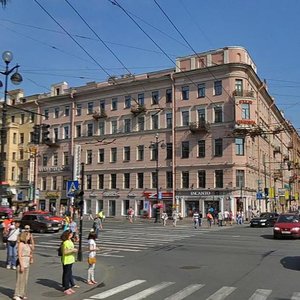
{"x": 125, "y": 207}
{"x": 140, "y": 207}
{"x": 212, "y": 206}
{"x": 190, "y": 207}
{"x": 99, "y": 206}
{"x": 88, "y": 206}
{"x": 42, "y": 204}
{"x": 112, "y": 208}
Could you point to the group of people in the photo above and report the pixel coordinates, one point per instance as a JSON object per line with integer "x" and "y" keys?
{"x": 20, "y": 246}
{"x": 175, "y": 217}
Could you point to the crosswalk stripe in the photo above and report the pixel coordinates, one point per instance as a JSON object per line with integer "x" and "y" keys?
{"x": 222, "y": 293}
{"x": 296, "y": 296}
{"x": 185, "y": 292}
{"x": 118, "y": 289}
{"x": 143, "y": 294}
{"x": 260, "y": 294}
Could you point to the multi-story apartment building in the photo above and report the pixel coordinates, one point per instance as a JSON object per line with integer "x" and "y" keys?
{"x": 206, "y": 134}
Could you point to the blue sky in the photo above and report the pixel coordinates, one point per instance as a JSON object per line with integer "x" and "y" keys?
{"x": 269, "y": 29}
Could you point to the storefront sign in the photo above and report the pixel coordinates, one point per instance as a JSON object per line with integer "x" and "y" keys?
{"x": 161, "y": 196}
{"x": 53, "y": 169}
{"x": 77, "y": 162}
{"x": 196, "y": 193}
{"x": 52, "y": 194}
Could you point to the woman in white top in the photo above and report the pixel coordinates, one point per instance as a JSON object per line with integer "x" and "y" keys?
{"x": 92, "y": 258}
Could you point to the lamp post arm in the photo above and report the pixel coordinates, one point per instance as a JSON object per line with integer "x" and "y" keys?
{"x": 7, "y": 71}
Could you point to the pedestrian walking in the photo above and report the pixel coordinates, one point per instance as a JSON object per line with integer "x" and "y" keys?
{"x": 175, "y": 217}
{"x": 101, "y": 216}
{"x": 164, "y": 217}
{"x": 209, "y": 218}
{"x": 200, "y": 218}
{"x": 130, "y": 214}
{"x": 220, "y": 218}
{"x": 92, "y": 258}
{"x": 11, "y": 245}
{"x": 196, "y": 219}
{"x": 231, "y": 218}
{"x": 68, "y": 259}
{"x": 24, "y": 261}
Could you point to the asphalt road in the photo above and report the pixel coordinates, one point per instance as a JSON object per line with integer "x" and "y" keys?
{"x": 148, "y": 261}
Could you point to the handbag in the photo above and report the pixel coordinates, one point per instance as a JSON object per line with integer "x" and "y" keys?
{"x": 92, "y": 260}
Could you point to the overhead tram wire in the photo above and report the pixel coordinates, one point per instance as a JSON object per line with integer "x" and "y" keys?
{"x": 115, "y": 2}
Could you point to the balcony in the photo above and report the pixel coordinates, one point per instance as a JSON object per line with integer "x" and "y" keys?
{"x": 198, "y": 127}
{"x": 138, "y": 109}
{"x": 99, "y": 114}
{"x": 243, "y": 93}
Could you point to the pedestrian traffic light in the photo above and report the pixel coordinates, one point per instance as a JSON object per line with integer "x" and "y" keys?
{"x": 289, "y": 165}
{"x": 266, "y": 192}
{"x": 45, "y": 133}
{"x": 78, "y": 201}
{"x": 36, "y": 134}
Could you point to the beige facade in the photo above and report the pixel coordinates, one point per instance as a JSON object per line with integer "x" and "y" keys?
{"x": 221, "y": 140}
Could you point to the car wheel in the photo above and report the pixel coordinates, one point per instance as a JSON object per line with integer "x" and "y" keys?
{"x": 251, "y": 225}
{"x": 275, "y": 236}
{"x": 268, "y": 224}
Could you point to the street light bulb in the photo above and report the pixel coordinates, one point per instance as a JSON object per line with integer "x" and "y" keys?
{"x": 7, "y": 56}
{"x": 16, "y": 78}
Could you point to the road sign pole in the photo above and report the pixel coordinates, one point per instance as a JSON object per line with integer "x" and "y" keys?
{"x": 79, "y": 255}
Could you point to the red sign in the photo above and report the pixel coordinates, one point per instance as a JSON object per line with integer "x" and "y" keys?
{"x": 153, "y": 195}
{"x": 250, "y": 122}
{"x": 245, "y": 102}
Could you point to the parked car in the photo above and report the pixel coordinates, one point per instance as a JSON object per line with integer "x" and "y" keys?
{"x": 45, "y": 213}
{"x": 40, "y": 223}
{"x": 287, "y": 225}
{"x": 264, "y": 220}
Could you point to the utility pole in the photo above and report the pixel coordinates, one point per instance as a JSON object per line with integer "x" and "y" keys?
{"x": 81, "y": 203}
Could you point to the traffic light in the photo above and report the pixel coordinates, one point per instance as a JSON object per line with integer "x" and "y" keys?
{"x": 45, "y": 133}
{"x": 36, "y": 134}
{"x": 266, "y": 190}
{"x": 289, "y": 165}
{"x": 78, "y": 200}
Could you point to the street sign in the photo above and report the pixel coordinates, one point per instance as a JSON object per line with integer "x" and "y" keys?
{"x": 72, "y": 187}
{"x": 259, "y": 196}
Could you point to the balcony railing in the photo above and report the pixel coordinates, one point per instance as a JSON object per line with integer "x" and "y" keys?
{"x": 243, "y": 93}
{"x": 138, "y": 109}
{"x": 99, "y": 114}
{"x": 201, "y": 126}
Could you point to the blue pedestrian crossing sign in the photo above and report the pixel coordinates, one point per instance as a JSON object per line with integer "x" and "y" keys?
{"x": 72, "y": 187}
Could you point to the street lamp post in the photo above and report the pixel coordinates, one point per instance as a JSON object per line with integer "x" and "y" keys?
{"x": 154, "y": 146}
{"x": 16, "y": 78}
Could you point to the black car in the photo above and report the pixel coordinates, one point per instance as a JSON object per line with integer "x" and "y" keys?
{"x": 264, "y": 220}
{"x": 40, "y": 223}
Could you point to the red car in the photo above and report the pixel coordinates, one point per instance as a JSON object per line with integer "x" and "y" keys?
{"x": 287, "y": 225}
{"x": 47, "y": 214}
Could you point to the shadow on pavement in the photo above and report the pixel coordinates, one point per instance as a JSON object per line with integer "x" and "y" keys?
{"x": 267, "y": 236}
{"x": 49, "y": 283}
{"x": 291, "y": 262}
{"x": 6, "y": 291}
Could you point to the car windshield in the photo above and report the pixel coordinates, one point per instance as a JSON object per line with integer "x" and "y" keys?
{"x": 264, "y": 215}
{"x": 288, "y": 219}
{"x": 43, "y": 218}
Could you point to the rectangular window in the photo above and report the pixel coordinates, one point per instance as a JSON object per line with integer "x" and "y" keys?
{"x": 113, "y": 155}
{"x": 102, "y": 105}
{"x": 154, "y": 121}
{"x": 90, "y": 129}
{"x": 90, "y": 108}
{"x": 239, "y": 146}
{"x": 126, "y": 180}
{"x": 89, "y": 157}
{"x": 21, "y": 138}
{"x": 78, "y": 130}
{"x": 56, "y": 112}
{"x": 240, "y": 178}
{"x": 218, "y": 87}
{"x": 67, "y": 111}
{"x": 56, "y": 135}
{"x": 201, "y": 115}
{"x": 201, "y": 148}
{"x": 127, "y": 125}
{"x": 55, "y": 159}
{"x": 185, "y": 115}
{"x": 65, "y": 180}
{"x": 101, "y": 155}
{"x": 153, "y": 151}
{"x": 22, "y": 121}
{"x": 66, "y": 132}
{"x": 154, "y": 180}
{"x": 140, "y": 152}
{"x": 114, "y": 104}
{"x": 219, "y": 178}
{"x": 169, "y": 119}
{"x": 169, "y": 179}
{"x": 101, "y": 181}
{"x": 218, "y": 147}
{"x": 45, "y": 160}
{"x": 202, "y": 179}
{"x": 44, "y": 184}
{"x": 88, "y": 181}
{"x": 155, "y": 97}
{"x": 127, "y": 103}
{"x": 169, "y": 150}
{"x": 185, "y": 178}
{"x": 13, "y": 173}
{"x": 14, "y": 138}
{"x": 46, "y": 114}
{"x": 21, "y": 154}
{"x": 245, "y": 111}
{"x": 185, "y": 92}
{"x": 140, "y": 180}
{"x": 66, "y": 158}
{"x": 54, "y": 183}
{"x": 141, "y": 123}
{"x": 78, "y": 109}
{"x": 201, "y": 90}
{"x": 32, "y": 117}
{"x": 114, "y": 126}
{"x": 113, "y": 181}
{"x": 101, "y": 128}
{"x": 141, "y": 99}
{"x": 218, "y": 110}
{"x": 239, "y": 87}
{"x": 126, "y": 153}
{"x": 185, "y": 149}
{"x": 169, "y": 96}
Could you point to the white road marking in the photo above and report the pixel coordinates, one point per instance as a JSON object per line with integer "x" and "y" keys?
{"x": 296, "y": 296}
{"x": 222, "y": 293}
{"x": 185, "y": 292}
{"x": 260, "y": 294}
